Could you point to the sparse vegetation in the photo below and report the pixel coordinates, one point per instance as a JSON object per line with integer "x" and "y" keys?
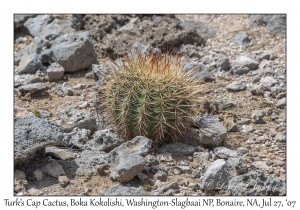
{"x": 277, "y": 112}
{"x": 36, "y": 113}
{"x": 265, "y": 104}
{"x": 147, "y": 187}
{"x": 221, "y": 78}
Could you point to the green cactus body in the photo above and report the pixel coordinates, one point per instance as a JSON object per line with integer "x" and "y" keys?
{"x": 150, "y": 95}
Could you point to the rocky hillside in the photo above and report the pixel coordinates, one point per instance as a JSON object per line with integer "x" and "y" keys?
{"x": 64, "y": 144}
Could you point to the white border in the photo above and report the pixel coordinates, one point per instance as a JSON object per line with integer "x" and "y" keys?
{"x": 8, "y": 8}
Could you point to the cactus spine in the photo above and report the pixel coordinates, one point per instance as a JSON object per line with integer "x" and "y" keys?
{"x": 150, "y": 95}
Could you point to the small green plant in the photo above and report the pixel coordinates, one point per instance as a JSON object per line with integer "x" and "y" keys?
{"x": 150, "y": 95}
{"x": 37, "y": 113}
{"x": 221, "y": 78}
{"x": 265, "y": 104}
{"x": 147, "y": 187}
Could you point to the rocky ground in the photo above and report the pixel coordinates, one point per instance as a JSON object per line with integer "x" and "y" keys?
{"x": 65, "y": 146}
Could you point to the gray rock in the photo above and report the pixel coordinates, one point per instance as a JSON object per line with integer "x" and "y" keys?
{"x": 194, "y": 187}
{"x": 145, "y": 49}
{"x": 44, "y": 114}
{"x": 19, "y": 20}
{"x": 31, "y": 49}
{"x": 241, "y": 151}
{"x": 143, "y": 178}
{"x": 202, "y": 29}
{"x": 55, "y": 72}
{"x": 164, "y": 157}
{"x": 160, "y": 175}
{"x": 128, "y": 168}
{"x": 241, "y": 70}
{"x": 212, "y": 132}
{"x": 79, "y": 137}
{"x": 128, "y": 26}
{"x": 275, "y": 91}
{"x": 268, "y": 55}
{"x": 139, "y": 145}
{"x": 280, "y": 137}
{"x": 238, "y": 165}
{"x": 236, "y": 86}
{"x": 170, "y": 192}
{"x": 243, "y": 121}
{"x": 241, "y": 38}
{"x": 267, "y": 94}
{"x": 201, "y": 71}
{"x": 22, "y": 40}
{"x": 183, "y": 169}
{"x": 274, "y": 23}
{"x": 231, "y": 126}
{"x": 54, "y": 169}
{"x": 224, "y": 152}
{"x": 267, "y": 71}
{"x": 78, "y": 118}
{"x": 192, "y": 51}
{"x": 31, "y": 58}
{"x": 62, "y": 91}
{"x": 78, "y": 21}
{"x": 268, "y": 111}
{"x": 62, "y": 154}
{"x": 48, "y": 28}
{"x": 245, "y": 62}
{"x": 32, "y": 88}
{"x": 281, "y": 95}
{"x": 264, "y": 67}
{"x": 122, "y": 190}
{"x": 201, "y": 157}
{"x": 99, "y": 72}
{"x": 63, "y": 180}
{"x": 29, "y": 64}
{"x": 261, "y": 165}
{"x": 245, "y": 128}
{"x": 25, "y": 79}
{"x": 216, "y": 176}
{"x": 126, "y": 160}
{"x": 32, "y": 134}
{"x": 20, "y": 181}
{"x": 167, "y": 186}
{"x": 268, "y": 82}
{"x": 38, "y": 175}
{"x": 22, "y": 112}
{"x": 151, "y": 160}
{"x": 177, "y": 149}
{"x": 107, "y": 139}
{"x": 256, "y": 79}
{"x": 256, "y": 184}
{"x": 257, "y": 90}
{"x": 47, "y": 56}
{"x": 75, "y": 53}
{"x": 281, "y": 103}
{"x": 90, "y": 161}
{"x": 221, "y": 104}
{"x": 257, "y": 117}
{"x": 228, "y": 104}
{"x": 170, "y": 33}
{"x": 223, "y": 62}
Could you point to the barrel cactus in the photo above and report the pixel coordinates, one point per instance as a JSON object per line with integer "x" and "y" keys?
{"x": 150, "y": 95}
